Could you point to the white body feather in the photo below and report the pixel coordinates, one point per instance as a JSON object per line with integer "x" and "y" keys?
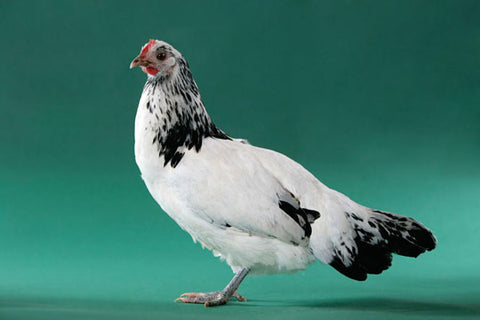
{"x": 236, "y": 183}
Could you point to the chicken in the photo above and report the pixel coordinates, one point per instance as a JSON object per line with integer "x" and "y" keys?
{"x": 255, "y": 208}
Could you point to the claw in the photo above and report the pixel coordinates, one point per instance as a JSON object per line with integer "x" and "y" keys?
{"x": 187, "y": 295}
{"x": 239, "y": 297}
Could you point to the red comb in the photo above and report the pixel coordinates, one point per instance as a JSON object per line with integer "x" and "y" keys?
{"x": 147, "y": 47}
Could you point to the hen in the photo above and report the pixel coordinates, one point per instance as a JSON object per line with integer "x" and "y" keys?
{"x": 255, "y": 208}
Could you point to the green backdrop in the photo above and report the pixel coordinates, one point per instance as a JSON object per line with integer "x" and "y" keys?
{"x": 379, "y": 99}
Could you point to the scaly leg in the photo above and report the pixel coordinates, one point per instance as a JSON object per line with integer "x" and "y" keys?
{"x": 217, "y": 298}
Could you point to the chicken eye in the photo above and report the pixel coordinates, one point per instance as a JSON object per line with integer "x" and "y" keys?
{"x": 161, "y": 56}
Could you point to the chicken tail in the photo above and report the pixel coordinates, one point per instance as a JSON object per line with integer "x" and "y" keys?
{"x": 369, "y": 238}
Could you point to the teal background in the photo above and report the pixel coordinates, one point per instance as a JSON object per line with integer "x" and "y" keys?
{"x": 379, "y": 99}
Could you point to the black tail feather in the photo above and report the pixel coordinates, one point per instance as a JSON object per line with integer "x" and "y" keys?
{"x": 402, "y": 235}
{"x": 369, "y": 260}
{"x": 376, "y": 238}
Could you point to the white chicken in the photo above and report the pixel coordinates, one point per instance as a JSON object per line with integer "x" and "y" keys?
{"x": 257, "y": 209}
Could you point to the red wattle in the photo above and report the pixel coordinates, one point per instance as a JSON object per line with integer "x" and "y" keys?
{"x": 151, "y": 71}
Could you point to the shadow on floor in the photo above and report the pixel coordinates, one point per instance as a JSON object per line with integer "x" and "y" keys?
{"x": 392, "y": 305}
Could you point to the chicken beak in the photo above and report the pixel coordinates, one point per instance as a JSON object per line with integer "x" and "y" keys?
{"x": 139, "y": 61}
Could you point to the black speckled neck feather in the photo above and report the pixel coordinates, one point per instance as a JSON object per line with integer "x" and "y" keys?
{"x": 181, "y": 119}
